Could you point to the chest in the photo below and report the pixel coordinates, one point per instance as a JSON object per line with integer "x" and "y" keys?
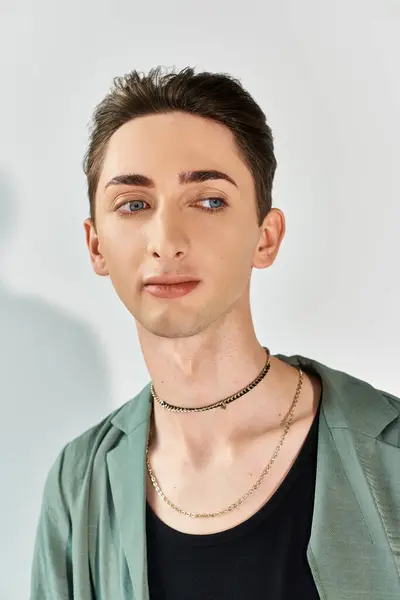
{"x": 237, "y": 492}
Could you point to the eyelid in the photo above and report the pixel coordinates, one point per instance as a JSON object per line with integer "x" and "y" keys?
{"x": 203, "y": 190}
{"x": 125, "y": 197}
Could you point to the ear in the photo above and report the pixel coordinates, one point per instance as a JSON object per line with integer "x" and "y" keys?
{"x": 92, "y": 241}
{"x": 272, "y": 230}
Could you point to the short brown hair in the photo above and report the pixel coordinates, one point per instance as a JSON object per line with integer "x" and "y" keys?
{"x": 216, "y": 96}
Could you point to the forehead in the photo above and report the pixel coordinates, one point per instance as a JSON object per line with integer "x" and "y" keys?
{"x": 161, "y": 145}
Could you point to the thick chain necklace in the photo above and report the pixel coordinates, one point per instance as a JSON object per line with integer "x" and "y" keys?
{"x": 221, "y": 403}
{"x": 288, "y": 419}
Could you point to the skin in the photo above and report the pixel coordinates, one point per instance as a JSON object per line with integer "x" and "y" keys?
{"x": 202, "y": 347}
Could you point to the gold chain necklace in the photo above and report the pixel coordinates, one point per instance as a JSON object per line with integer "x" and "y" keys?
{"x": 288, "y": 420}
{"x": 221, "y": 403}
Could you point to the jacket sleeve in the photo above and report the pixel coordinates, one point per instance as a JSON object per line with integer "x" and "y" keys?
{"x": 51, "y": 569}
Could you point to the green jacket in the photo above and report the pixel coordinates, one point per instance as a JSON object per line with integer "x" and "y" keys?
{"x": 91, "y": 540}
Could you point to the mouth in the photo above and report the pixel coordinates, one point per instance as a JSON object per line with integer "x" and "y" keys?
{"x": 171, "y": 290}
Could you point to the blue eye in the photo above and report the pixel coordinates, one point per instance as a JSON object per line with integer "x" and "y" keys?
{"x": 129, "y": 204}
{"x": 214, "y": 209}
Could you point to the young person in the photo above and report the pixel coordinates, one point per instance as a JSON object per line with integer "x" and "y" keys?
{"x": 235, "y": 473}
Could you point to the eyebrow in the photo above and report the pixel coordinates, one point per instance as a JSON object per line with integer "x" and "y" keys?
{"x": 137, "y": 179}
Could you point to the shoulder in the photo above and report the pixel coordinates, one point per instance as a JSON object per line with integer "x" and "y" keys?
{"x": 84, "y": 457}
{"x": 393, "y": 400}
{"x": 365, "y": 408}
{"x": 74, "y": 462}
{"x": 352, "y": 403}
{"x": 391, "y": 434}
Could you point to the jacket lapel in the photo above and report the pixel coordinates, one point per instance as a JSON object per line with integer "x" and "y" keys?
{"x": 126, "y": 464}
{"x": 354, "y": 547}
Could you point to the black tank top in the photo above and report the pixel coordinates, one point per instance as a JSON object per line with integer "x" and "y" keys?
{"x": 262, "y": 558}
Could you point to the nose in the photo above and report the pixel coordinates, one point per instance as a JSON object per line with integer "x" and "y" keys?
{"x": 167, "y": 239}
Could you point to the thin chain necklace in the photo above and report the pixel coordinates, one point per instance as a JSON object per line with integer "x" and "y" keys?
{"x": 243, "y": 498}
{"x": 221, "y": 403}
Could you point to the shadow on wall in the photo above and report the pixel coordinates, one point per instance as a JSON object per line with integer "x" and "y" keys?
{"x": 54, "y": 386}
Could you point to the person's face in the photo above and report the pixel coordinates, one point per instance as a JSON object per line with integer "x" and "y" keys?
{"x": 153, "y": 230}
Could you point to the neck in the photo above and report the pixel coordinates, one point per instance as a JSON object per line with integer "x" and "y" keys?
{"x": 205, "y": 373}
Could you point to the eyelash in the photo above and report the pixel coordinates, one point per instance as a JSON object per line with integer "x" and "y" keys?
{"x": 208, "y": 210}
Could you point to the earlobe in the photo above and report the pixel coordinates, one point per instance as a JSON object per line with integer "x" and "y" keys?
{"x": 272, "y": 233}
{"x": 264, "y": 257}
{"x": 266, "y": 251}
{"x": 92, "y": 242}
{"x": 99, "y": 266}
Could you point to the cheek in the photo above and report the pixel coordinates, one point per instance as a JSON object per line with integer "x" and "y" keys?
{"x": 231, "y": 262}
{"x": 122, "y": 256}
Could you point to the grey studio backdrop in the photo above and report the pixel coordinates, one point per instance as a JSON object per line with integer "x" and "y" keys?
{"x": 327, "y": 76}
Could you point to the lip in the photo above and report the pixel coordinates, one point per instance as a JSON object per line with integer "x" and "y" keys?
{"x": 171, "y": 290}
{"x": 169, "y": 280}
